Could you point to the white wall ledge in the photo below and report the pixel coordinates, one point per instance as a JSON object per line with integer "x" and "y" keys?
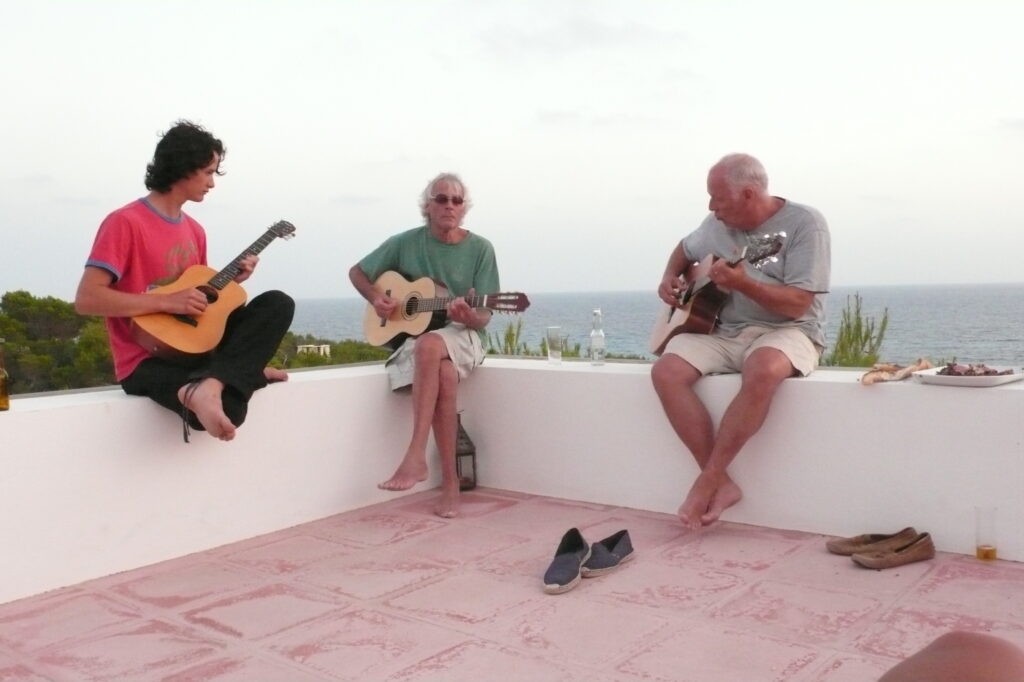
{"x": 96, "y": 482}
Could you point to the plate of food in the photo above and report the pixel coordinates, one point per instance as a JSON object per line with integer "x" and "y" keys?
{"x": 978, "y": 376}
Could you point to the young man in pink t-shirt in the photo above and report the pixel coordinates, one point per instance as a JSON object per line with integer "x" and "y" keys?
{"x": 149, "y": 243}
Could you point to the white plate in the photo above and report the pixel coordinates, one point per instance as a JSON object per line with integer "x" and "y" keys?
{"x": 931, "y": 376}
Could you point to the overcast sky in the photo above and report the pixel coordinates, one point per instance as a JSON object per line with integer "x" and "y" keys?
{"x": 584, "y": 130}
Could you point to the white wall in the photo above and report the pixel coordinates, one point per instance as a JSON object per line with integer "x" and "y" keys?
{"x": 834, "y": 456}
{"x": 98, "y": 482}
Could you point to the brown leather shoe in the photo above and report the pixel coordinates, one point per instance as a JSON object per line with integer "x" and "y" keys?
{"x": 860, "y": 544}
{"x": 920, "y": 549}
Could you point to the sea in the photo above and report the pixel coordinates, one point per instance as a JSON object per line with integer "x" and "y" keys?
{"x": 968, "y": 323}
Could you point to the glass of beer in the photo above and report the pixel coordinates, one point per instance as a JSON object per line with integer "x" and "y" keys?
{"x": 985, "y": 533}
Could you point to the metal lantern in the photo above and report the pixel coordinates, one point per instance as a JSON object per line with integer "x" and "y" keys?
{"x": 465, "y": 458}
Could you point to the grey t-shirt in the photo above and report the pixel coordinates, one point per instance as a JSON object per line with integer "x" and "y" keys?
{"x": 804, "y": 262}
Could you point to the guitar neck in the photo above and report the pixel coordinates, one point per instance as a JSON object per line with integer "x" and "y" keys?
{"x": 228, "y": 274}
{"x": 424, "y": 305}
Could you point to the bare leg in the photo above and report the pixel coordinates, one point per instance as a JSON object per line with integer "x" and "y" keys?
{"x": 763, "y": 372}
{"x": 205, "y": 402}
{"x": 430, "y": 351}
{"x": 673, "y": 380}
{"x": 445, "y": 435}
{"x": 961, "y": 656}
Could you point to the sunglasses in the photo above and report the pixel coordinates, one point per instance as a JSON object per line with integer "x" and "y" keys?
{"x": 443, "y": 199}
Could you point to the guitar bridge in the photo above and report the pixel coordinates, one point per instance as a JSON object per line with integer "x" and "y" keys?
{"x": 186, "y": 319}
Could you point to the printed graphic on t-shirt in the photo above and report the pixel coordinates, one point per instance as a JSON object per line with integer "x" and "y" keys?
{"x": 178, "y": 257}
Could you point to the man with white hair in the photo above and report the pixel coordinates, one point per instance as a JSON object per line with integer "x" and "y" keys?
{"x": 769, "y": 328}
{"x": 437, "y": 360}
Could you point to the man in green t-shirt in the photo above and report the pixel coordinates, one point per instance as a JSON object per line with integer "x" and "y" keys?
{"x": 437, "y": 360}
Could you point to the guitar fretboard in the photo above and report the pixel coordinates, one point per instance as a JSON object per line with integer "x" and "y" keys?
{"x": 228, "y": 274}
{"x": 425, "y": 305}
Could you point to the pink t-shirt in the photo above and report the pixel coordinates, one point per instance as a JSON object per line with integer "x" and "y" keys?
{"x": 142, "y": 249}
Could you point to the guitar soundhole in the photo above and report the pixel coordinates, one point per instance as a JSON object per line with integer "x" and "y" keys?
{"x": 210, "y": 293}
{"x": 410, "y": 307}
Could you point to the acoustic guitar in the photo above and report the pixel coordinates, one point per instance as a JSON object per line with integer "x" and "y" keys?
{"x": 701, "y": 301}
{"x": 422, "y": 308}
{"x": 169, "y": 335}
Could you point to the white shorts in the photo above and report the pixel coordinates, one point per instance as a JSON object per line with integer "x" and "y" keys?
{"x": 464, "y": 350}
{"x": 714, "y": 353}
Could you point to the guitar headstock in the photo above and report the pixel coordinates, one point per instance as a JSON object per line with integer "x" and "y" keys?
{"x": 764, "y": 248}
{"x": 507, "y": 302}
{"x": 282, "y": 229}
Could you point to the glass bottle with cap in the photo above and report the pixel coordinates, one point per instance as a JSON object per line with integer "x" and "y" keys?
{"x": 597, "y": 341}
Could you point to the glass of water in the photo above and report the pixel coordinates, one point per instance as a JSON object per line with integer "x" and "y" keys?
{"x": 554, "y": 341}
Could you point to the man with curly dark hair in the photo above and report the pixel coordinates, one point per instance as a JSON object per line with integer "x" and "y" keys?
{"x": 149, "y": 243}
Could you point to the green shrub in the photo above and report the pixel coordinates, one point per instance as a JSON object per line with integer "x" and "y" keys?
{"x": 342, "y": 353}
{"x": 858, "y": 340}
{"x": 509, "y": 343}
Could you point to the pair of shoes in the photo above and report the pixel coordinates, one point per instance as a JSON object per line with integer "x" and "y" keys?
{"x": 575, "y": 559}
{"x": 921, "y": 548}
{"x": 860, "y": 544}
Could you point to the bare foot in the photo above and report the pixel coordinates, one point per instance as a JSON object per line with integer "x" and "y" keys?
{"x": 726, "y": 496}
{"x": 205, "y": 401}
{"x": 410, "y": 472}
{"x": 273, "y": 374}
{"x": 697, "y": 501}
{"x": 447, "y": 506}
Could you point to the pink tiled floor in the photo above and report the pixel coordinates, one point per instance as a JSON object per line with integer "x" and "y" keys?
{"x": 392, "y": 592}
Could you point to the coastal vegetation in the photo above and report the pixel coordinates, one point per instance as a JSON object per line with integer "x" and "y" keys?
{"x": 49, "y": 347}
{"x": 859, "y": 338}
{"x": 510, "y": 342}
{"x": 341, "y": 352}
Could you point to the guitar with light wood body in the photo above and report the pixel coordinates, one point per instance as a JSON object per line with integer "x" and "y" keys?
{"x": 422, "y": 307}
{"x": 169, "y": 335}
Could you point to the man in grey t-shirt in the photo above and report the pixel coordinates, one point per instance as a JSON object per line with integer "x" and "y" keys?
{"x": 769, "y": 328}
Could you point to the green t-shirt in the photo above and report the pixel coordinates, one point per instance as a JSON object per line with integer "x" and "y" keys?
{"x": 417, "y": 253}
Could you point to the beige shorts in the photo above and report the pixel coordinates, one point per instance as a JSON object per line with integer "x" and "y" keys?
{"x": 464, "y": 350}
{"x": 714, "y": 353}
